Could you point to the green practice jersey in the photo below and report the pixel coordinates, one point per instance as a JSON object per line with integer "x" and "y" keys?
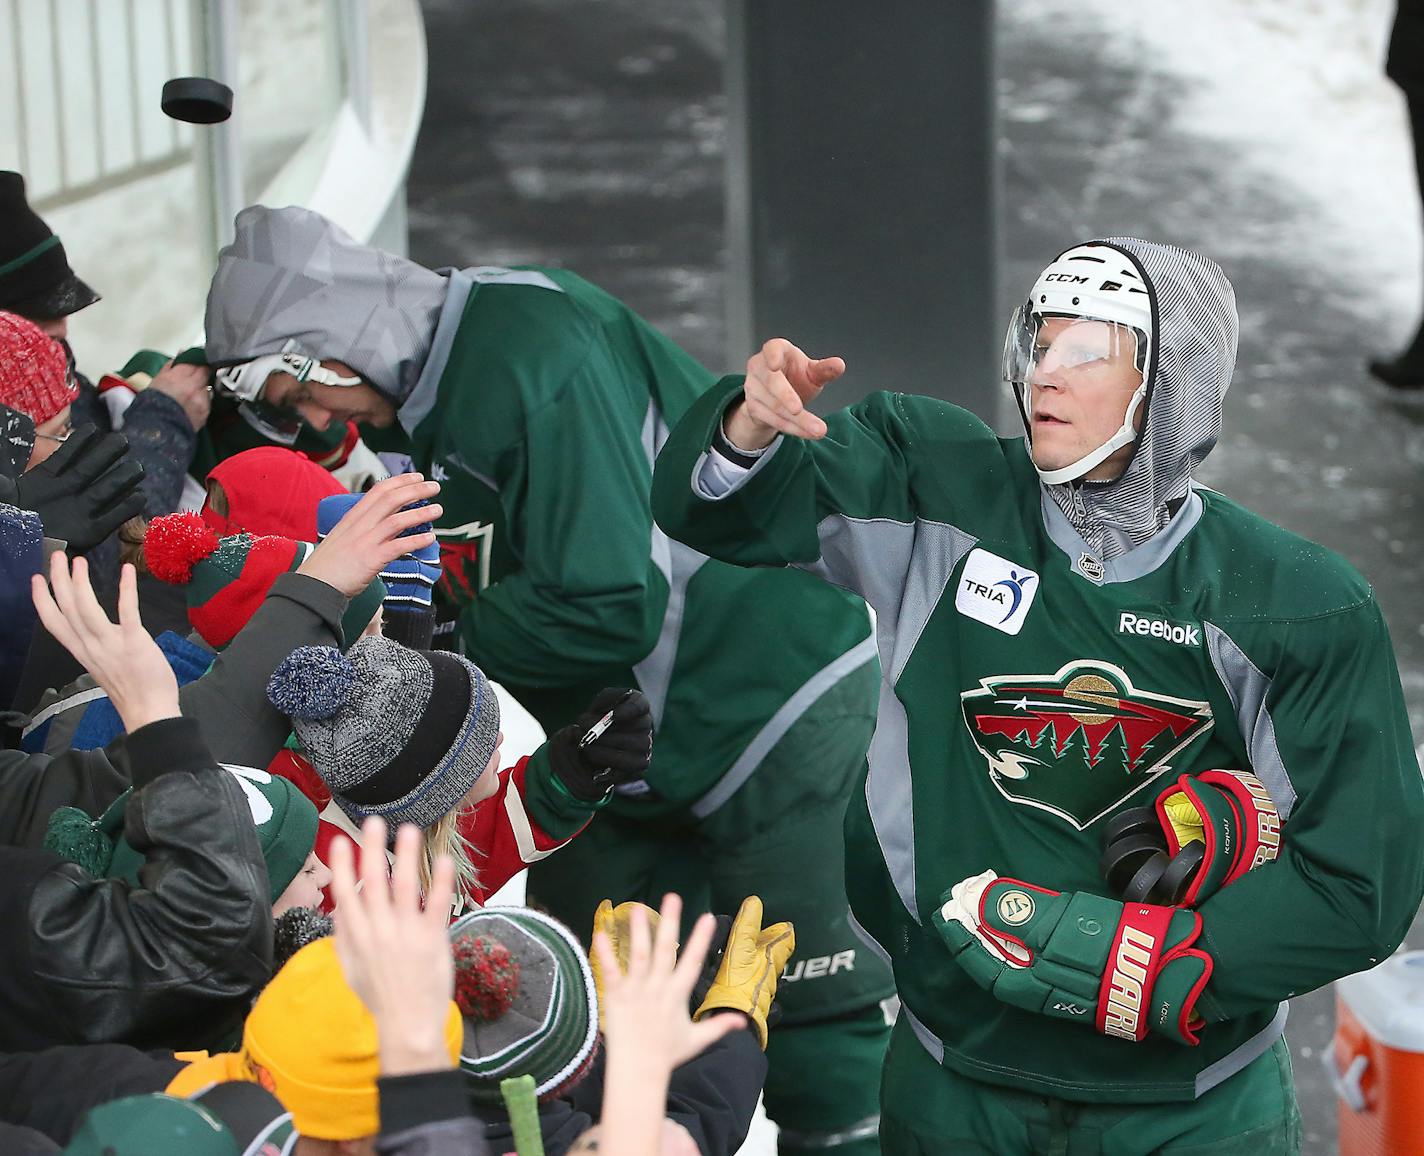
{"x": 540, "y": 410}
{"x": 1031, "y": 691}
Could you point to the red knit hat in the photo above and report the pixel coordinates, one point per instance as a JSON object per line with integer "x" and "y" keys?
{"x": 228, "y": 578}
{"x": 34, "y": 371}
{"x": 270, "y": 490}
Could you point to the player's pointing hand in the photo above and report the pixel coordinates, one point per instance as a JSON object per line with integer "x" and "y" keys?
{"x": 781, "y": 381}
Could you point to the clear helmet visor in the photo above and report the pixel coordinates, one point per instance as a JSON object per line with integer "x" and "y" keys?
{"x": 1068, "y": 352}
{"x": 1064, "y": 350}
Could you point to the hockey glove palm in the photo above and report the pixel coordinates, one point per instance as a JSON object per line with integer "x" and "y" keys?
{"x": 751, "y": 965}
{"x": 1125, "y": 969}
{"x": 610, "y": 743}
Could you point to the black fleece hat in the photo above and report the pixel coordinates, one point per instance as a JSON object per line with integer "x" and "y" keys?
{"x": 35, "y": 278}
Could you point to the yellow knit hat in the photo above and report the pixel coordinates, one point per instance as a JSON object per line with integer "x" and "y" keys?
{"x": 311, "y": 1042}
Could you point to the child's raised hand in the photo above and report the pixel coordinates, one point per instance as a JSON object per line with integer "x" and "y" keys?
{"x": 394, "y": 950}
{"x": 124, "y": 660}
{"x": 646, "y": 1007}
{"x": 368, "y": 538}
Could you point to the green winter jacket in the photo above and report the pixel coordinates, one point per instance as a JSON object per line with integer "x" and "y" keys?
{"x": 1224, "y": 641}
{"x": 540, "y": 408}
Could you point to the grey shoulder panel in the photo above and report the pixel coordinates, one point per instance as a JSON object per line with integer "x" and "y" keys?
{"x": 1248, "y": 689}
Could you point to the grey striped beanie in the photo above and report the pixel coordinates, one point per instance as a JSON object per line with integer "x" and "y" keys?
{"x": 393, "y": 732}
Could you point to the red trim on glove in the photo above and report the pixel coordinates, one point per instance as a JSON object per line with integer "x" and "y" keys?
{"x": 998, "y": 937}
{"x": 1133, "y": 963}
{"x": 1260, "y": 821}
{"x": 1187, "y": 785}
{"x": 1183, "y": 949}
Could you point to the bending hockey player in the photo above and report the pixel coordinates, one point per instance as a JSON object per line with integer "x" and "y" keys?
{"x": 539, "y": 401}
{"x": 1071, "y": 630}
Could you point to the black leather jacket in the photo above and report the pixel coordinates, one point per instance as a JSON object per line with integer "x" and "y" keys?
{"x": 174, "y": 963}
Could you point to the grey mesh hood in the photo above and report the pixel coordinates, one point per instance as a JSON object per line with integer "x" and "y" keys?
{"x": 1192, "y": 358}
{"x": 291, "y": 275}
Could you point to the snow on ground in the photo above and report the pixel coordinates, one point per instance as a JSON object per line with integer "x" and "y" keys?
{"x": 1300, "y": 89}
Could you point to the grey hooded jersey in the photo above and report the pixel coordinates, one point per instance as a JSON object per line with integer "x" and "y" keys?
{"x": 291, "y": 275}
{"x": 1193, "y": 354}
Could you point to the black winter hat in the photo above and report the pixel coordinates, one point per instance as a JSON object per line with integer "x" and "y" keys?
{"x": 35, "y": 278}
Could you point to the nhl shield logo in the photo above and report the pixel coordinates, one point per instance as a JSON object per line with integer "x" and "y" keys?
{"x": 1079, "y": 742}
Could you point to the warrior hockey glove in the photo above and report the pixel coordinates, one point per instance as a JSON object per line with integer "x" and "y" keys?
{"x": 751, "y": 964}
{"x": 1125, "y": 969}
{"x": 1204, "y": 832}
{"x": 85, "y": 490}
{"x": 610, "y": 743}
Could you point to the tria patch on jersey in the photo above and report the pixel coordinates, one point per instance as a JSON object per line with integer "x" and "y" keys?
{"x": 995, "y": 591}
{"x": 1078, "y": 742}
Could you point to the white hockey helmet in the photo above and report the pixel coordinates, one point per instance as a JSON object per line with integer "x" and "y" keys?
{"x": 1093, "y": 282}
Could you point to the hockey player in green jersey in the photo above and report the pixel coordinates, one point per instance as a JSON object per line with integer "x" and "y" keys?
{"x": 538, "y": 402}
{"x": 1071, "y": 630}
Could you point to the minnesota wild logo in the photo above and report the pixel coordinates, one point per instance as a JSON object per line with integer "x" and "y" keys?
{"x": 1078, "y": 742}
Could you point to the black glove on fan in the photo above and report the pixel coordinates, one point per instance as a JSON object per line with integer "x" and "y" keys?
{"x": 589, "y": 758}
{"x": 85, "y": 490}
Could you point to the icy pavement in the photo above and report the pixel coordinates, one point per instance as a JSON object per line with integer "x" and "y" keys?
{"x": 1262, "y": 134}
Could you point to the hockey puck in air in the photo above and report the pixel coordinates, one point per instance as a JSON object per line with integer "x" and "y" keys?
{"x": 197, "y": 100}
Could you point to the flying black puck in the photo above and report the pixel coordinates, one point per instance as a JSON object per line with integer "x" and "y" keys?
{"x": 1122, "y": 859}
{"x": 197, "y": 100}
{"x": 1179, "y": 874}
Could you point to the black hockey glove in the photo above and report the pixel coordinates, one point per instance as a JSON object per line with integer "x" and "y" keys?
{"x": 610, "y": 743}
{"x": 85, "y": 490}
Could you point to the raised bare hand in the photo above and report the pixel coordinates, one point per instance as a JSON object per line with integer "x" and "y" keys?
{"x": 394, "y": 951}
{"x": 646, "y": 1007}
{"x": 781, "y": 381}
{"x": 188, "y": 386}
{"x": 368, "y": 538}
{"x": 124, "y": 660}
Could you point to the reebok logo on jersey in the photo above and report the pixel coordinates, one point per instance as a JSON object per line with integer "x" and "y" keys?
{"x": 1129, "y": 623}
{"x": 995, "y": 591}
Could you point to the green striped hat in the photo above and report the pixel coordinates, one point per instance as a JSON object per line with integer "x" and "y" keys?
{"x": 525, "y": 989}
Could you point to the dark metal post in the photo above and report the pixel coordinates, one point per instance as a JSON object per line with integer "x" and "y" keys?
{"x": 861, "y": 195}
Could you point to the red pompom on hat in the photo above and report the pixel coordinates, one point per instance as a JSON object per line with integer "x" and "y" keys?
{"x": 227, "y": 578}
{"x": 486, "y": 978}
{"x": 34, "y": 371}
{"x": 175, "y": 543}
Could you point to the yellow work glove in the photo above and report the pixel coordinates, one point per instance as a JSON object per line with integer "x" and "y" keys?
{"x": 751, "y": 965}
{"x": 613, "y": 922}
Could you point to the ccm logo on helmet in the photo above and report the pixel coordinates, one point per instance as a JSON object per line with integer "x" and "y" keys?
{"x": 1129, "y": 623}
{"x": 1071, "y": 278}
